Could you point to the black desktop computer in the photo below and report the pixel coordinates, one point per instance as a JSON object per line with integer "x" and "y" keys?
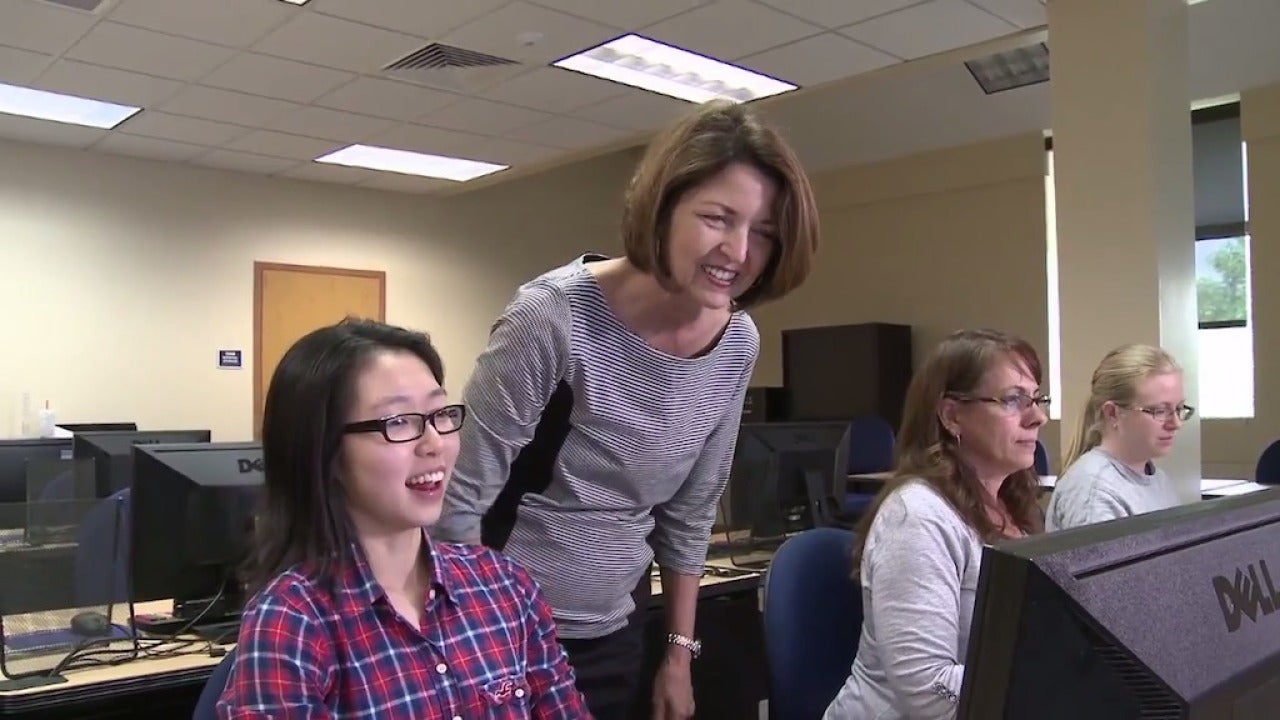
{"x": 784, "y": 475}
{"x": 112, "y": 452}
{"x": 194, "y": 507}
{"x": 1173, "y": 615}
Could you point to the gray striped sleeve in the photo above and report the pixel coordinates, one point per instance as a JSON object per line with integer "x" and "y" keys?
{"x": 682, "y": 528}
{"x": 509, "y": 387}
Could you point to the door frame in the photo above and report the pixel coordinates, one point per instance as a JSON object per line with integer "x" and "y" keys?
{"x": 259, "y": 269}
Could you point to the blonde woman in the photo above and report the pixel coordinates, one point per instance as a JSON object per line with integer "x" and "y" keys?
{"x": 1136, "y": 407}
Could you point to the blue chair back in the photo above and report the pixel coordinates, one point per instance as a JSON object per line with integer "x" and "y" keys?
{"x": 812, "y": 622}
{"x": 1042, "y": 459}
{"x": 102, "y": 555}
{"x": 206, "y": 705}
{"x": 1268, "y": 470}
{"x": 871, "y": 445}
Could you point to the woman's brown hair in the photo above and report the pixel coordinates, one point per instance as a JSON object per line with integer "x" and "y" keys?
{"x": 695, "y": 149}
{"x": 925, "y": 450}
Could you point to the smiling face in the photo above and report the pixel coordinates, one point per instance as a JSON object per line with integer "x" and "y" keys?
{"x": 996, "y": 434}
{"x": 1145, "y": 430}
{"x": 722, "y": 236}
{"x": 396, "y": 486}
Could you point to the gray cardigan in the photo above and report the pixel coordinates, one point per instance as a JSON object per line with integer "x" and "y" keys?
{"x": 919, "y": 577}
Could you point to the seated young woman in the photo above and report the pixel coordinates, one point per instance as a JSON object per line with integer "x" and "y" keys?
{"x": 964, "y": 479}
{"x": 1136, "y": 407}
{"x": 356, "y": 614}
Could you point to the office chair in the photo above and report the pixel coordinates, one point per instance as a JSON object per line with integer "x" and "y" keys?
{"x": 1042, "y": 459}
{"x": 871, "y": 448}
{"x": 812, "y": 622}
{"x": 102, "y": 553}
{"x": 1268, "y": 470}
{"x": 206, "y": 705}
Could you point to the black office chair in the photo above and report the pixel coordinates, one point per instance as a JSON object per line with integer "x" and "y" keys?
{"x": 1268, "y": 470}
{"x": 206, "y": 705}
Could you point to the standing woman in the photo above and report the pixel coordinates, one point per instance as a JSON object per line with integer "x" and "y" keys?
{"x": 1136, "y": 408}
{"x": 606, "y": 407}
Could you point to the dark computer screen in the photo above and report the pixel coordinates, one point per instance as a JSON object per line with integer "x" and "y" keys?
{"x": 15, "y": 459}
{"x": 193, "y": 508}
{"x": 112, "y": 452}
{"x": 783, "y": 473}
{"x": 1173, "y": 614}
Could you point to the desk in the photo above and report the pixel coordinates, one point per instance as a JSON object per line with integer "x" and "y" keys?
{"x": 1209, "y": 487}
{"x": 1235, "y": 487}
{"x": 167, "y": 686}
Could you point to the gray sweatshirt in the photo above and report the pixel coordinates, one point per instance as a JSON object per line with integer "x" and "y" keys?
{"x": 1097, "y": 487}
{"x": 919, "y": 577}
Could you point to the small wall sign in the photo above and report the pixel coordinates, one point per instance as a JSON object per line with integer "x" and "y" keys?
{"x": 230, "y": 359}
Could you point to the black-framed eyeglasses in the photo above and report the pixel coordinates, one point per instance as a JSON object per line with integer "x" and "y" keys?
{"x": 1164, "y": 413}
{"x": 1011, "y": 403}
{"x": 407, "y": 427}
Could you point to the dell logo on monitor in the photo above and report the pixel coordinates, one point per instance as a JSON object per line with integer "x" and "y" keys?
{"x": 1250, "y": 594}
{"x": 247, "y": 466}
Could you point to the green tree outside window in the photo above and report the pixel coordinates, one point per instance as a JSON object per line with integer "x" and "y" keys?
{"x": 1223, "y": 293}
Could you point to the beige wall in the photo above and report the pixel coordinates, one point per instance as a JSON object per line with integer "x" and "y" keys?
{"x": 122, "y": 278}
{"x": 939, "y": 241}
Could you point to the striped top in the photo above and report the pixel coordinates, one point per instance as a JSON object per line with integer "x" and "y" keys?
{"x": 588, "y": 453}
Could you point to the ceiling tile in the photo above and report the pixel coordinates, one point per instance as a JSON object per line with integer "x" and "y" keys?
{"x": 226, "y": 106}
{"x": 818, "y": 59}
{"x": 483, "y": 117}
{"x": 928, "y": 29}
{"x": 276, "y": 77}
{"x": 20, "y": 67}
{"x": 318, "y": 122}
{"x": 104, "y": 83}
{"x": 424, "y": 18}
{"x": 182, "y": 129}
{"x": 247, "y": 162}
{"x": 415, "y": 184}
{"x": 42, "y": 27}
{"x": 46, "y": 132}
{"x": 129, "y": 48}
{"x": 511, "y": 153}
{"x": 730, "y": 29}
{"x": 434, "y": 141}
{"x": 838, "y": 13}
{"x": 330, "y": 173}
{"x": 336, "y": 43}
{"x": 283, "y": 145}
{"x": 1023, "y": 13}
{"x": 636, "y": 110}
{"x": 622, "y": 15}
{"x": 386, "y": 98}
{"x": 554, "y": 90}
{"x": 568, "y": 133}
{"x": 500, "y": 33}
{"x": 237, "y": 23}
{"x": 151, "y": 148}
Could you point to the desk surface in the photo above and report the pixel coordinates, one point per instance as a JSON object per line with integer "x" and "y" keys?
{"x": 1210, "y": 487}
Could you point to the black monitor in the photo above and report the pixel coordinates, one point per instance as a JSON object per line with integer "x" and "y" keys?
{"x": 784, "y": 474}
{"x": 16, "y": 456}
{"x": 99, "y": 427}
{"x": 1173, "y": 614}
{"x": 193, "y": 509}
{"x": 112, "y": 452}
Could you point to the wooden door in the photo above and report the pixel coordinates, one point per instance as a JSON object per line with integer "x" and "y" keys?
{"x": 290, "y": 301}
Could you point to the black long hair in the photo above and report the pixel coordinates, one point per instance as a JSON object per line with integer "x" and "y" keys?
{"x": 304, "y": 516}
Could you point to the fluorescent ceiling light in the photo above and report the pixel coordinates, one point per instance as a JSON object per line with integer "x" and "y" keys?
{"x": 650, "y": 65}
{"x": 296, "y": 2}
{"x": 409, "y": 163}
{"x": 44, "y": 105}
{"x": 1011, "y": 69}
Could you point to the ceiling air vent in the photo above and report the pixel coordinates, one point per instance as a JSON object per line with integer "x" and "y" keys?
{"x": 452, "y": 68}
{"x": 1011, "y": 69}
{"x": 91, "y": 6}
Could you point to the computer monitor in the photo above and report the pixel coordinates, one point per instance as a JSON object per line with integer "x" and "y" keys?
{"x": 16, "y": 457}
{"x": 784, "y": 474}
{"x": 193, "y": 509}
{"x": 99, "y": 427}
{"x": 1173, "y": 614}
{"x": 112, "y": 452}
